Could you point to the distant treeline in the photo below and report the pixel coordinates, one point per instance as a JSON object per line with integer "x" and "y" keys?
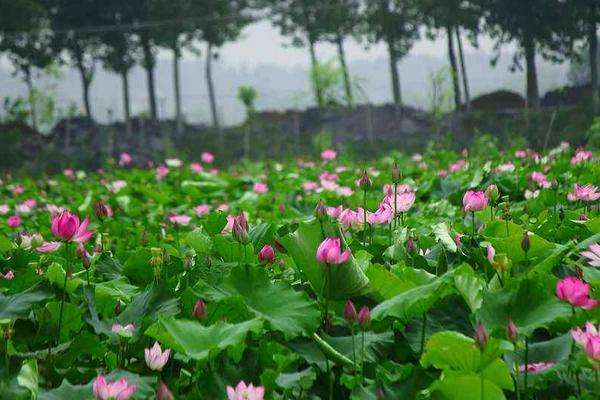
{"x": 118, "y": 34}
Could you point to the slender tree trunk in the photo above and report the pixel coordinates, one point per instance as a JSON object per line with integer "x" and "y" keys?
{"x": 149, "y": 63}
{"x": 126, "y": 109}
{"x": 314, "y": 75}
{"x": 31, "y": 92}
{"x": 533, "y": 94}
{"x": 593, "y": 43}
{"x": 177, "y": 87}
{"x": 396, "y": 91}
{"x": 347, "y": 83}
{"x": 85, "y": 84}
{"x": 453, "y": 68}
{"x": 213, "y": 101}
{"x": 463, "y": 69}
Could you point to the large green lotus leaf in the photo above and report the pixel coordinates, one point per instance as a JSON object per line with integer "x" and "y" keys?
{"x": 385, "y": 284}
{"x": 19, "y": 305}
{"x": 303, "y": 379}
{"x": 286, "y": 310}
{"x": 230, "y": 250}
{"x": 495, "y": 233}
{"x": 470, "y": 286}
{"x": 68, "y": 391}
{"x": 376, "y": 344}
{"x": 466, "y": 386}
{"x": 29, "y": 378}
{"x": 72, "y": 318}
{"x": 530, "y": 303}
{"x": 442, "y": 233}
{"x": 415, "y": 301}
{"x": 154, "y": 302}
{"x": 197, "y": 341}
{"x": 348, "y": 280}
{"x": 454, "y": 352}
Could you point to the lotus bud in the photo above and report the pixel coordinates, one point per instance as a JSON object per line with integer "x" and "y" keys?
{"x": 410, "y": 245}
{"x": 395, "y": 173}
{"x": 511, "y": 330}
{"x": 199, "y": 310}
{"x": 240, "y": 229}
{"x": 266, "y": 254}
{"x": 481, "y": 336}
{"x": 526, "y": 242}
{"x": 364, "y": 182}
{"x": 350, "y": 314}
{"x": 364, "y": 317}
{"x": 118, "y": 307}
{"x": 492, "y": 192}
{"x": 320, "y": 210}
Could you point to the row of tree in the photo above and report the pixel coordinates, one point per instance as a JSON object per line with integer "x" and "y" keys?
{"x": 120, "y": 34}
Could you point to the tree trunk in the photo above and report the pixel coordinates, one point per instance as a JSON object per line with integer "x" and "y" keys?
{"x": 393, "y": 56}
{"x": 126, "y": 109}
{"x": 314, "y": 75}
{"x": 85, "y": 84}
{"x": 347, "y": 83}
{"x": 177, "y": 87}
{"x": 31, "y": 91}
{"x": 463, "y": 69}
{"x": 149, "y": 63}
{"x": 453, "y": 68}
{"x": 211, "y": 97}
{"x": 533, "y": 94}
{"x": 593, "y": 43}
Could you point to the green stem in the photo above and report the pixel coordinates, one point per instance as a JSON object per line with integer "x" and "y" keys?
{"x": 353, "y": 346}
{"x": 64, "y": 294}
{"x": 395, "y": 206}
{"x": 525, "y": 388}
{"x": 473, "y": 220}
{"x": 517, "y": 387}
{"x": 362, "y": 364}
{"x": 423, "y": 326}
{"x": 365, "y": 217}
{"x": 481, "y": 377}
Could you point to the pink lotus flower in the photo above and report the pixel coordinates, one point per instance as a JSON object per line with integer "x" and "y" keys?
{"x": 335, "y": 212}
{"x": 383, "y": 215}
{"x": 329, "y": 251}
{"x": 48, "y": 247}
{"x": 576, "y": 292}
{"x": 161, "y": 172}
{"x": 490, "y": 253}
{"x": 589, "y": 340}
{"x": 196, "y": 167}
{"x": 474, "y": 201}
{"x": 180, "y": 220}
{"x": 22, "y": 208}
{"x": 202, "y": 209}
{"x": 207, "y": 158}
{"x": 31, "y": 203}
{"x": 260, "y": 188}
{"x": 67, "y": 227}
{"x": 266, "y": 254}
{"x": 118, "y": 390}
{"x": 310, "y": 186}
{"x": 199, "y": 311}
{"x": 328, "y": 155}
{"x": 163, "y": 392}
{"x": 592, "y": 254}
{"x": 350, "y": 218}
{"x": 521, "y": 153}
{"x": 540, "y": 179}
{"x": 508, "y": 167}
{"x": 403, "y": 202}
{"x": 245, "y": 392}
{"x": 125, "y": 159}
{"x": 14, "y": 221}
{"x": 118, "y": 328}
{"x": 536, "y": 367}
{"x": 458, "y": 239}
{"x": 68, "y": 172}
{"x": 344, "y": 191}
{"x": 4, "y": 209}
{"x": 9, "y": 275}
{"x": 457, "y": 166}
{"x": 417, "y": 157}
{"x": 156, "y": 358}
{"x": 587, "y": 193}
{"x": 581, "y": 156}
{"x": 18, "y": 189}
{"x": 442, "y": 173}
